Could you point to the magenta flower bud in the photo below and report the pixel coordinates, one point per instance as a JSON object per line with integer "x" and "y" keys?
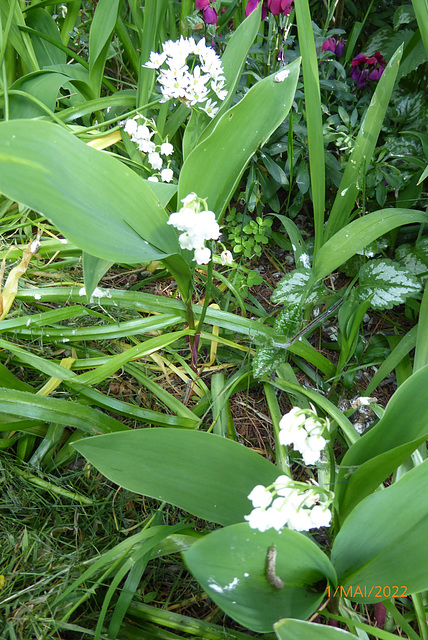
{"x": 329, "y": 45}
{"x": 202, "y": 4}
{"x": 340, "y": 45}
{"x": 253, "y": 4}
{"x": 210, "y": 15}
{"x": 280, "y": 6}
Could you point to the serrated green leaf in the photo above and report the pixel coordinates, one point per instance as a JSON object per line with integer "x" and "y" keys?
{"x": 414, "y": 257}
{"x": 387, "y": 282}
{"x": 267, "y": 359}
{"x": 293, "y": 289}
{"x": 403, "y": 15}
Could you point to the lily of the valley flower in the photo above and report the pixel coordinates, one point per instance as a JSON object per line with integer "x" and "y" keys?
{"x": 194, "y": 82}
{"x": 304, "y": 430}
{"x": 198, "y": 224}
{"x": 141, "y": 133}
{"x": 297, "y": 505}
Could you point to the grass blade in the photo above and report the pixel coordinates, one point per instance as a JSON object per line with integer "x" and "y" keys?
{"x": 313, "y": 116}
{"x": 364, "y": 147}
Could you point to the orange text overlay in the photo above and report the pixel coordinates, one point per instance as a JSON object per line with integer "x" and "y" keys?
{"x": 365, "y": 592}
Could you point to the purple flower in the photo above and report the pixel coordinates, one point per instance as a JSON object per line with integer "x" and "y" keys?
{"x": 210, "y": 15}
{"x": 253, "y": 4}
{"x": 364, "y": 68}
{"x": 335, "y": 46}
{"x": 280, "y": 6}
{"x": 274, "y": 6}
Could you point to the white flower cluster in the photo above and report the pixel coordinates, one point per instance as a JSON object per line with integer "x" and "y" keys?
{"x": 297, "y": 505}
{"x": 197, "y": 224}
{"x": 141, "y": 134}
{"x": 304, "y": 430}
{"x": 193, "y": 87}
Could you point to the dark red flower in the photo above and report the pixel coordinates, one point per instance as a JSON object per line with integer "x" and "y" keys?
{"x": 364, "y": 68}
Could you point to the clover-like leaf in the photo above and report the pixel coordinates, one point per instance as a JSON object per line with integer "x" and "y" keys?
{"x": 387, "y": 283}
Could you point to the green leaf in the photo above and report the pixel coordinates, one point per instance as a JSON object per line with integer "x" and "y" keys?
{"x": 231, "y": 565}
{"x": 302, "y": 630}
{"x": 314, "y": 121}
{"x": 44, "y": 86}
{"x": 93, "y": 270}
{"x": 365, "y": 144}
{"x": 287, "y": 323}
{"x": 380, "y": 451}
{"x": 386, "y": 284}
{"x": 99, "y": 39}
{"x": 360, "y": 233}
{"x": 414, "y": 257}
{"x": 92, "y": 198}
{"x": 46, "y": 52}
{"x": 233, "y": 61}
{"x": 294, "y": 289}
{"x": 382, "y": 543}
{"x": 205, "y": 474}
{"x": 215, "y": 166}
{"x": 29, "y": 405}
{"x": 421, "y": 350}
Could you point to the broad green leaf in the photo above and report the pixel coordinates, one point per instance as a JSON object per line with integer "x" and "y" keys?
{"x": 154, "y": 17}
{"x": 231, "y": 565}
{"x": 205, "y": 474}
{"x": 382, "y": 543}
{"x": 44, "y": 86}
{"x": 92, "y": 198}
{"x": 386, "y": 283}
{"x": 379, "y": 452}
{"x": 215, "y": 166}
{"x": 365, "y": 144}
{"x": 99, "y": 39}
{"x": 46, "y": 52}
{"x": 294, "y": 289}
{"x": 233, "y": 61}
{"x": 19, "y": 40}
{"x": 28, "y": 405}
{"x": 358, "y": 234}
{"x": 302, "y": 630}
